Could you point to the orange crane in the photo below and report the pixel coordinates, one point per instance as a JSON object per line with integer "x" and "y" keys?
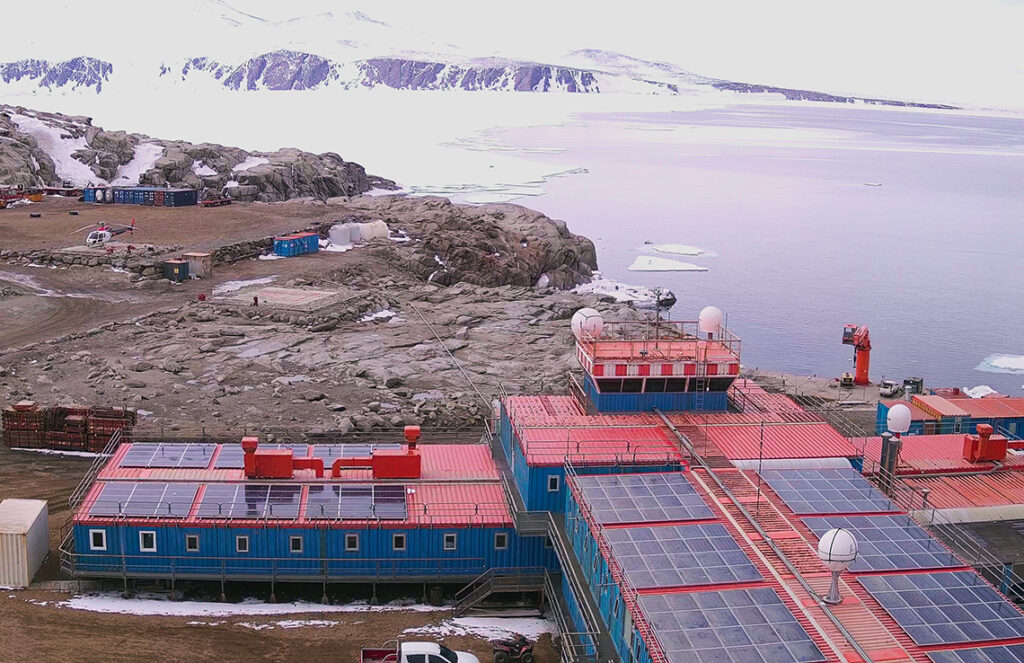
{"x": 860, "y": 338}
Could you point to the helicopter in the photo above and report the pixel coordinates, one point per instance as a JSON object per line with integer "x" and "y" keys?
{"x": 103, "y": 233}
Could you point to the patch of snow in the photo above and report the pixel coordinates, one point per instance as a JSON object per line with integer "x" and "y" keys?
{"x": 256, "y": 627}
{"x": 270, "y": 256}
{"x": 59, "y": 452}
{"x": 300, "y": 623}
{"x": 331, "y": 247}
{"x": 384, "y": 192}
{"x": 201, "y": 623}
{"x": 291, "y": 379}
{"x": 676, "y": 249}
{"x": 144, "y": 413}
{"x": 231, "y": 183}
{"x": 250, "y": 162}
{"x": 59, "y": 149}
{"x": 1002, "y": 363}
{"x": 980, "y": 391}
{"x": 430, "y": 278}
{"x": 144, "y": 159}
{"x": 379, "y": 315}
{"x": 544, "y": 281}
{"x": 201, "y": 169}
{"x": 233, "y": 286}
{"x": 641, "y": 296}
{"x": 655, "y": 264}
{"x": 489, "y": 627}
{"x": 438, "y": 260}
{"x": 156, "y": 604}
{"x": 399, "y": 236}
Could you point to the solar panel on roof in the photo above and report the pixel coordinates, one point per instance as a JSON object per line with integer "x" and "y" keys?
{"x": 1003, "y": 654}
{"x": 888, "y": 543}
{"x": 232, "y": 456}
{"x": 730, "y": 625}
{"x": 946, "y": 608}
{"x": 642, "y": 498}
{"x": 827, "y": 491}
{"x": 146, "y": 454}
{"x": 145, "y": 499}
{"x": 680, "y": 555}
{"x": 357, "y": 502}
{"x": 330, "y": 452}
{"x": 250, "y": 501}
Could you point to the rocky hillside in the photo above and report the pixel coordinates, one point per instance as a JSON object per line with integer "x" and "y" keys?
{"x": 38, "y": 149}
{"x": 74, "y": 73}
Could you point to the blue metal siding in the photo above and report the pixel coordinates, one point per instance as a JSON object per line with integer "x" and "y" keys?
{"x": 668, "y": 402}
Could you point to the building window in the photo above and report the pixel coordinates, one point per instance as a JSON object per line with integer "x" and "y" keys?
{"x": 501, "y": 541}
{"x": 147, "y": 541}
{"x": 295, "y": 544}
{"x": 351, "y": 543}
{"x": 191, "y": 543}
{"x": 450, "y": 541}
{"x": 97, "y": 539}
{"x": 242, "y": 544}
{"x": 553, "y": 483}
{"x": 398, "y": 541}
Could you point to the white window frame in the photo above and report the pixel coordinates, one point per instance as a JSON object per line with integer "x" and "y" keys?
{"x": 291, "y": 546}
{"x": 394, "y": 542}
{"x": 454, "y": 539}
{"x": 238, "y": 540}
{"x": 503, "y": 546}
{"x": 191, "y": 537}
{"x": 351, "y": 536}
{"x": 556, "y": 480}
{"x": 142, "y": 535}
{"x": 92, "y": 544}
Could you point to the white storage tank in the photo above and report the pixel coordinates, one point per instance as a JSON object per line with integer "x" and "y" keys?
{"x": 24, "y": 540}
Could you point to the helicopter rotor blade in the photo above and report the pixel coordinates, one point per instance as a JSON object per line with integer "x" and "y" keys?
{"x": 83, "y": 229}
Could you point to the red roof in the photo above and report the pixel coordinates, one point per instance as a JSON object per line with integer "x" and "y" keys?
{"x": 996, "y": 408}
{"x": 916, "y": 413}
{"x": 928, "y": 454}
{"x": 978, "y": 490}
{"x": 813, "y": 440}
{"x": 939, "y": 406}
{"x": 599, "y": 445}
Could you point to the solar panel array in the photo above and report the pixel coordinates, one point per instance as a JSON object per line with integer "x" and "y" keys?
{"x": 807, "y": 491}
{"x": 144, "y": 499}
{"x": 330, "y": 452}
{"x": 1003, "y": 654}
{"x": 680, "y": 555}
{"x": 250, "y": 501}
{"x": 147, "y": 454}
{"x": 888, "y": 543}
{"x": 748, "y": 625}
{"x": 231, "y": 456}
{"x": 357, "y": 502}
{"x": 642, "y": 498}
{"x": 946, "y": 608}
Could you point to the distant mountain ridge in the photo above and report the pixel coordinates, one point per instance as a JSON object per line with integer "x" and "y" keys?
{"x": 585, "y": 72}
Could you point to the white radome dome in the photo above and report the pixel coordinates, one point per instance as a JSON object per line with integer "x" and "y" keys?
{"x": 898, "y": 418}
{"x": 710, "y": 319}
{"x": 837, "y": 549}
{"x": 587, "y": 321}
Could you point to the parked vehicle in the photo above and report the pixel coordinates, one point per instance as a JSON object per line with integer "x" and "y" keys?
{"x": 416, "y": 652}
{"x": 889, "y": 388}
{"x": 514, "y": 649}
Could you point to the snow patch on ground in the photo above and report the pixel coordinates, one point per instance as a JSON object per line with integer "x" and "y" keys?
{"x": 383, "y": 314}
{"x": 327, "y": 245}
{"x": 980, "y": 391}
{"x": 59, "y": 452}
{"x": 270, "y": 256}
{"x": 489, "y": 627}
{"x": 144, "y": 158}
{"x": 1002, "y": 363}
{"x": 201, "y": 169}
{"x": 156, "y": 604}
{"x": 250, "y": 162}
{"x": 233, "y": 286}
{"x": 622, "y": 292}
{"x": 676, "y": 249}
{"x": 59, "y": 149}
{"x": 655, "y": 264}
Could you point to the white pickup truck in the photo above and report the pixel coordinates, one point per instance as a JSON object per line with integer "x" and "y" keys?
{"x": 416, "y": 652}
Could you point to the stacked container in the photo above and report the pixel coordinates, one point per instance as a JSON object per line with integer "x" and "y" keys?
{"x": 297, "y": 244}
{"x": 24, "y": 424}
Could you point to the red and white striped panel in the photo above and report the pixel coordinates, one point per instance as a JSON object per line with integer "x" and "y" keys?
{"x": 677, "y": 369}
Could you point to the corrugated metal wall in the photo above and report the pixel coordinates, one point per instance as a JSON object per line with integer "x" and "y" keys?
{"x": 716, "y": 401}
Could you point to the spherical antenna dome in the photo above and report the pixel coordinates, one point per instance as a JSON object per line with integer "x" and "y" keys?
{"x": 710, "y": 319}
{"x": 837, "y": 549}
{"x": 586, "y": 322}
{"x": 898, "y": 419}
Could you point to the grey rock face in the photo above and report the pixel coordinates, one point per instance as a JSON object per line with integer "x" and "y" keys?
{"x": 73, "y": 73}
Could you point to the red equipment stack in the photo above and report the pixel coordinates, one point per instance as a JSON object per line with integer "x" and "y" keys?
{"x": 73, "y": 428}
{"x": 24, "y": 424}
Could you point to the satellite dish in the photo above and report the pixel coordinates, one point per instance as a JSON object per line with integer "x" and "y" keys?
{"x": 586, "y": 322}
{"x": 898, "y": 419}
{"x": 710, "y": 319}
{"x": 837, "y": 549}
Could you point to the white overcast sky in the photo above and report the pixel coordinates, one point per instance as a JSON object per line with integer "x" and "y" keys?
{"x": 962, "y": 51}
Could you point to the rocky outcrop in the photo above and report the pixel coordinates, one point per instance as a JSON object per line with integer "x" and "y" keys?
{"x": 255, "y": 176}
{"x": 488, "y": 245}
{"x": 74, "y": 73}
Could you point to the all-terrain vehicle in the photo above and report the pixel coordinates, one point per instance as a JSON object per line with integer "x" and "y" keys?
{"x": 513, "y": 649}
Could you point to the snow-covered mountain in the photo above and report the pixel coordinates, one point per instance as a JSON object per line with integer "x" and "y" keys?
{"x": 80, "y": 72}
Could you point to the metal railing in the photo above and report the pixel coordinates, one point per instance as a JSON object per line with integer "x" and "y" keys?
{"x": 78, "y": 494}
{"x": 175, "y": 433}
{"x": 576, "y": 646}
{"x": 498, "y": 580}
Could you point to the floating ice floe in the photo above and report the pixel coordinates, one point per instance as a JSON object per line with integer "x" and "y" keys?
{"x": 655, "y": 264}
{"x": 676, "y": 249}
{"x": 233, "y": 286}
{"x": 1002, "y": 363}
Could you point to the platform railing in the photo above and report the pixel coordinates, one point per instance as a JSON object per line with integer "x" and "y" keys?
{"x": 78, "y": 494}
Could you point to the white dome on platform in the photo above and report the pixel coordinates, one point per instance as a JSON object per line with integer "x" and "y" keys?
{"x": 587, "y": 321}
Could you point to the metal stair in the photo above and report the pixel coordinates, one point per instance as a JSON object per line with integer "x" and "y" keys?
{"x": 497, "y": 581}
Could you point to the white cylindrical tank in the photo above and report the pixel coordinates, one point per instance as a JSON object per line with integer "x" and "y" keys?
{"x": 710, "y": 319}
{"x": 837, "y": 549}
{"x": 24, "y": 540}
{"x": 586, "y": 321}
{"x": 898, "y": 418}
